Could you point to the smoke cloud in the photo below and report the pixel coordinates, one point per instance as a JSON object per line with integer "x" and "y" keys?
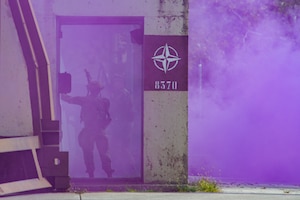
{"x": 244, "y": 95}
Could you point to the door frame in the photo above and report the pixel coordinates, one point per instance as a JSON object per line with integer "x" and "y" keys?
{"x": 104, "y": 20}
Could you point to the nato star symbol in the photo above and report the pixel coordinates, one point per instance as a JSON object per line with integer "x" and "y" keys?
{"x": 168, "y": 58}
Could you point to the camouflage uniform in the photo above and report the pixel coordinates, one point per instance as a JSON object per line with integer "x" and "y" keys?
{"x": 94, "y": 114}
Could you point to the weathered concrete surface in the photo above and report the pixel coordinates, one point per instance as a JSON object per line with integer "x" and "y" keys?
{"x": 15, "y": 109}
{"x": 165, "y": 137}
{"x": 162, "y": 17}
{"x": 166, "y": 113}
{"x": 171, "y": 18}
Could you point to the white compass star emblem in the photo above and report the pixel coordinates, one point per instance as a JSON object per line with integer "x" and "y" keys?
{"x": 166, "y": 58}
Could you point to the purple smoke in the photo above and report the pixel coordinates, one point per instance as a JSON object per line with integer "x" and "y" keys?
{"x": 244, "y": 95}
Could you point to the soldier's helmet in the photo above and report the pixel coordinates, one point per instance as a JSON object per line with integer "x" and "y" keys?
{"x": 94, "y": 86}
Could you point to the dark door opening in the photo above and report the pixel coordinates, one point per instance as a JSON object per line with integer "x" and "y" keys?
{"x": 107, "y": 51}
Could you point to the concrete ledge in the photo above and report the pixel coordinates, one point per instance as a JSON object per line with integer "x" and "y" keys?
{"x": 82, "y": 186}
{"x": 261, "y": 190}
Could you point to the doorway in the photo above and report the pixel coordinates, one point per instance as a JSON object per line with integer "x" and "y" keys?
{"x": 107, "y": 50}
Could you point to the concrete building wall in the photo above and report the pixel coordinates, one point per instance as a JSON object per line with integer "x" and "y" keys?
{"x": 165, "y": 113}
{"x": 15, "y": 109}
{"x": 165, "y": 137}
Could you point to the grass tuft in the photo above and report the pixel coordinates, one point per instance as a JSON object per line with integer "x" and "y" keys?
{"x": 206, "y": 185}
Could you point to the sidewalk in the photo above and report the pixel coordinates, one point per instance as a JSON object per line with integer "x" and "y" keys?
{"x": 227, "y": 193}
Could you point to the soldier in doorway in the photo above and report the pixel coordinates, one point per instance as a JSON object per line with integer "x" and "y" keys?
{"x": 95, "y": 117}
